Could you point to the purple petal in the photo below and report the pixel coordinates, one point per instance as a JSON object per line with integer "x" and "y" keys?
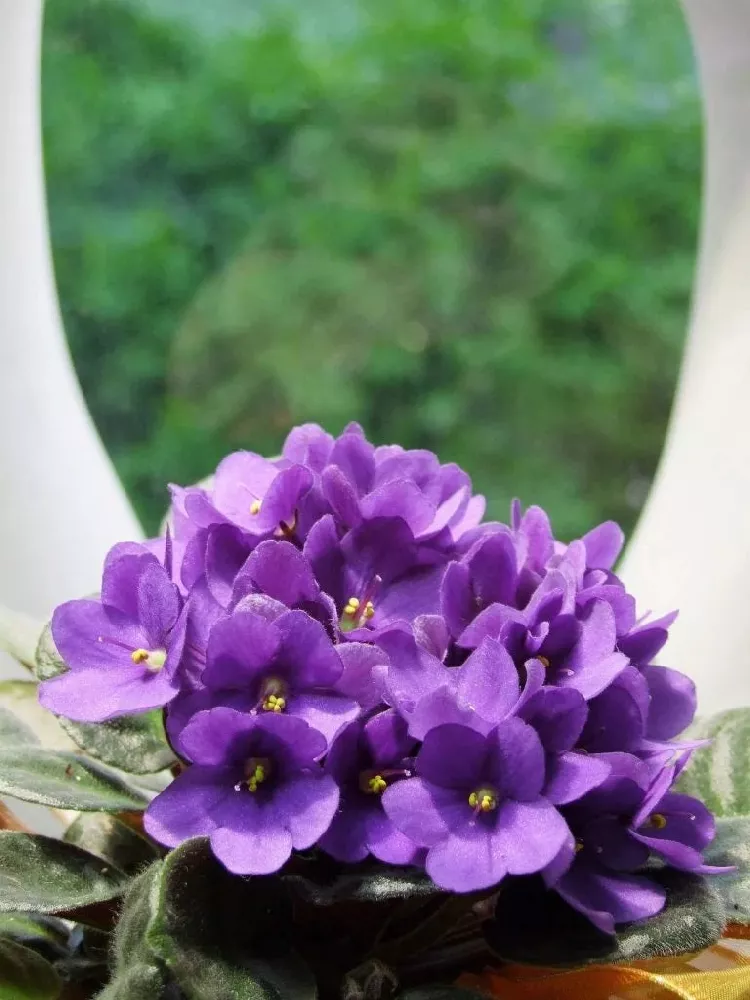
{"x": 412, "y": 673}
{"x": 489, "y": 623}
{"x": 415, "y": 595}
{"x": 97, "y": 694}
{"x": 354, "y": 456}
{"x": 280, "y": 503}
{"x": 399, "y": 498}
{"x": 188, "y": 806}
{"x": 279, "y": 570}
{"x": 441, "y": 707}
{"x": 308, "y": 650}
{"x": 308, "y": 804}
{"x": 471, "y": 517}
{"x": 488, "y": 681}
{"x": 240, "y": 647}
{"x": 673, "y": 702}
{"x": 227, "y": 548}
{"x": 430, "y": 633}
{"x": 308, "y": 445}
{"x": 467, "y": 860}
{"x": 120, "y": 579}
{"x": 454, "y": 757}
{"x": 158, "y": 603}
{"x": 241, "y": 479}
{"x": 558, "y": 715}
{"x": 87, "y": 636}
{"x": 359, "y": 679}
{"x": 613, "y": 845}
{"x": 516, "y": 762}
{"x": 387, "y": 843}
{"x": 603, "y": 545}
{"x": 341, "y": 495}
{"x": 423, "y": 812}
{"x": 608, "y": 899}
{"x": 456, "y": 598}
{"x": 328, "y": 713}
{"x": 529, "y": 835}
{"x": 346, "y": 838}
{"x": 571, "y": 775}
{"x": 493, "y": 570}
{"x": 217, "y": 736}
{"x": 387, "y": 739}
{"x": 252, "y": 839}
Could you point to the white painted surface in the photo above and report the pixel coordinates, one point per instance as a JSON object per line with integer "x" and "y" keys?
{"x": 61, "y": 505}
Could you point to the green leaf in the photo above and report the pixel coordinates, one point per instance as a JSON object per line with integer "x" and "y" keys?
{"x": 222, "y": 936}
{"x": 731, "y": 846}
{"x": 13, "y": 731}
{"x": 19, "y": 636}
{"x": 21, "y": 699}
{"x": 134, "y": 743}
{"x": 35, "y": 930}
{"x": 64, "y": 781}
{"x": 719, "y": 774}
{"x": 325, "y": 884}
{"x": 535, "y": 926}
{"x": 43, "y": 875}
{"x": 111, "y": 840}
{"x": 137, "y": 974}
{"x": 24, "y": 975}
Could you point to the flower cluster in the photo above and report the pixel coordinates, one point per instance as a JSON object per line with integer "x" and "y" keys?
{"x": 349, "y": 658}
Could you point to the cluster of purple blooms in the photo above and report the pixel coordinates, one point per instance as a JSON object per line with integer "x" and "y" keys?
{"x": 349, "y": 658}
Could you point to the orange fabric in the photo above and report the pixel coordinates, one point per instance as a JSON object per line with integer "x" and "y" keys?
{"x": 716, "y": 974}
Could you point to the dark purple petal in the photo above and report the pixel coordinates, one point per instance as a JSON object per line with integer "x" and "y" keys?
{"x": 416, "y": 594}
{"x": 188, "y": 806}
{"x": 226, "y": 549}
{"x": 558, "y": 715}
{"x": 608, "y": 841}
{"x": 454, "y": 757}
{"x": 456, "y": 598}
{"x": 308, "y": 650}
{"x": 341, "y": 494}
{"x": 307, "y": 805}
{"x": 279, "y": 570}
{"x": 218, "y": 736}
{"x": 279, "y": 506}
{"x": 608, "y": 899}
{"x": 346, "y": 839}
{"x": 241, "y": 647}
{"x": 386, "y": 738}
{"x": 354, "y": 456}
{"x": 399, "y": 498}
{"x": 493, "y": 570}
{"x": 515, "y": 761}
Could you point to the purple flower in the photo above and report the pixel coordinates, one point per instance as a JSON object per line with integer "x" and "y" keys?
{"x": 365, "y": 759}
{"x": 615, "y": 829}
{"x": 287, "y": 666}
{"x": 477, "y": 806}
{"x": 255, "y": 788}
{"x": 123, "y": 650}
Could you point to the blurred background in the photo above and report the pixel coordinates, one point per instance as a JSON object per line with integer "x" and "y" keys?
{"x": 468, "y": 224}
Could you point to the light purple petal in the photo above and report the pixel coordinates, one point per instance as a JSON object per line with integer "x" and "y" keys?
{"x": 423, "y": 812}
{"x": 571, "y": 775}
{"x": 307, "y": 649}
{"x": 412, "y": 673}
{"x": 242, "y": 479}
{"x": 281, "y": 500}
{"x": 528, "y": 835}
{"x": 603, "y": 545}
{"x": 99, "y": 694}
{"x": 440, "y": 707}
{"x": 251, "y": 839}
{"x": 87, "y": 637}
{"x": 341, "y": 495}
{"x": 488, "y": 681}
{"x": 328, "y": 713}
{"x": 308, "y": 445}
{"x": 346, "y": 837}
{"x": 456, "y": 598}
{"x": 358, "y": 679}
{"x": 158, "y": 603}
{"x": 467, "y": 860}
{"x": 354, "y": 455}
{"x": 414, "y": 595}
{"x": 557, "y": 714}
{"x": 279, "y": 570}
{"x": 673, "y": 702}
{"x": 388, "y": 844}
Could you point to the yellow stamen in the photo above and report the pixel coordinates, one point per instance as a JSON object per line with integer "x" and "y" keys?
{"x": 369, "y": 610}
{"x": 544, "y": 662}
{"x": 256, "y": 772}
{"x": 352, "y": 605}
{"x": 154, "y": 659}
{"x": 658, "y": 821}
{"x": 579, "y": 847}
{"x": 255, "y": 507}
{"x": 483, "y": 800}
{"x": 274, "y": 703}
{"x": 377, "y": 785}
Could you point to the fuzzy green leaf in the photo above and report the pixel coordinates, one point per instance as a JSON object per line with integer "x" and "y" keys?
{"x": 37, "y": 931}
{"x": 223, "y": 937}
{"x": 719, "y": 774}
{"x": 19, "y": 635}
{"x": 731, "y": 846}
{"x": 111, "y": 840}
{"x": 43, "y": 875}
{"x": 138, "y": 974}
{"x": 13, "y": 731}
{"x": 535, "y": 926}
{"x": 324, "y": 884}
{"x": 24, "y": 975}
{"x": 134, "y": 743}
{"x": 64, "y": 781}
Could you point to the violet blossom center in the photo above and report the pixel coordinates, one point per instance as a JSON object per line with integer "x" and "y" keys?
{"x": 257, "y": 771}
{"x": 483, "y": 800}
{"x": 274, "y": 692}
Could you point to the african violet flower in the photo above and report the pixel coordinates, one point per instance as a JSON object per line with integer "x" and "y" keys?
{"x": 285, "y": 666}
{"x": 366, "y": 758}
{"x": 615, "y": 829}
{"x": 255, "y": 788}
{"x": 476, "y": 804}
{"x": 123, "y": 650}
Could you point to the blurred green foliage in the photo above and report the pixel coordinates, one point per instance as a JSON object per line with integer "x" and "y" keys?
{"x": 469, "y": 225}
